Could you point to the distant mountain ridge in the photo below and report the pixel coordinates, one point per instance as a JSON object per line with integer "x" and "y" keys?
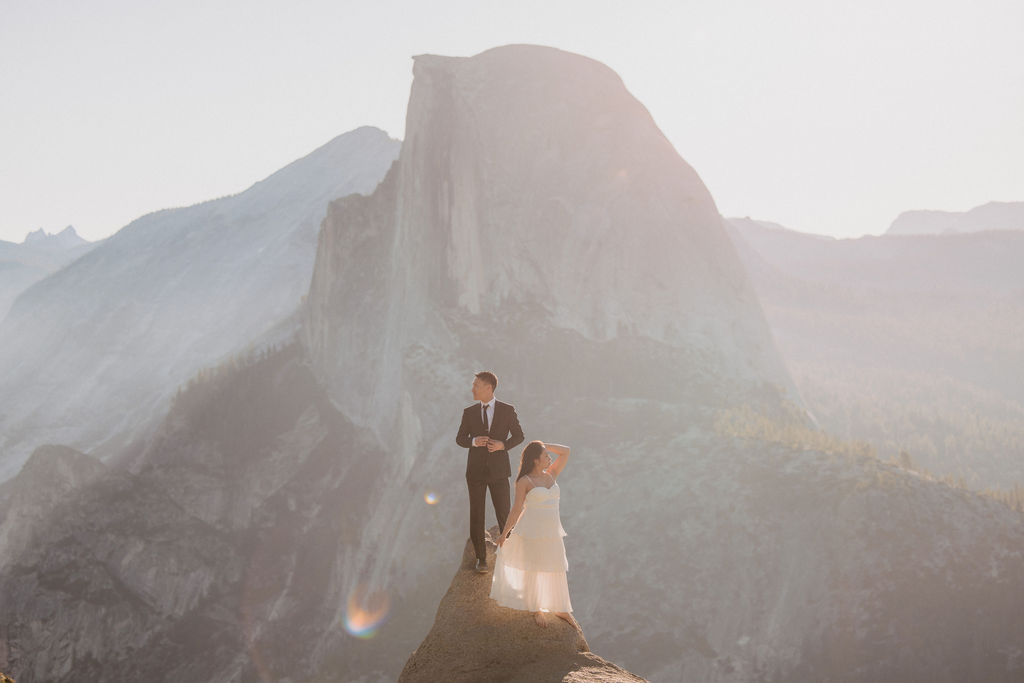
{"x": 958, "y": 264}
{"x": 91, "y": 354}
{"x": 66, "y": 238}
{"x": 39, "y": 254}
{"x": 991, "y": 216}
{"x": 910, "y": 342}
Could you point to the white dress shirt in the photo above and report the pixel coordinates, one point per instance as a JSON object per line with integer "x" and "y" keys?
{"x": 490, "y": 412}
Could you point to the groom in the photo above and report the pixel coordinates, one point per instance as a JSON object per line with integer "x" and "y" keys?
{"x": 489, "y": 429}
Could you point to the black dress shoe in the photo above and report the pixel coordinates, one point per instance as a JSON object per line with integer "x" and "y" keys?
{"x": 481, "y": 566}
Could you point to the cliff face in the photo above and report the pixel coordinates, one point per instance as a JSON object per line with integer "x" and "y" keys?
{"x": 98, "y": 567}
{"x": 53, "y": 475}
{"x": 533, "y": 194}
{"x": 536, "y": 223}
{"x": 215, "y": 557}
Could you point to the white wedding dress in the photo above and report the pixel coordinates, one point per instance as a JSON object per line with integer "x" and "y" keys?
{"x": 529, "y": 572}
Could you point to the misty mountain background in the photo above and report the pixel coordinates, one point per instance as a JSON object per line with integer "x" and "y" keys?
{"x": 990, "y": 216}
{"x": 91, "y": 355}
{"x": 910, "y": 343}
{"x": 256, "y": 394}
{"x": 39, "y": 255}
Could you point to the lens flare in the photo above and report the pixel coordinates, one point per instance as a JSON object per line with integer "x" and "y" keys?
{"x": 366, "y": 611}
{"x": 431, "y": 498}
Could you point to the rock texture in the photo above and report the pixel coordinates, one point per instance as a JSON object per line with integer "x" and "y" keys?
{"x": 99, "y": 564}
{"x": 533, "y": 193}
{"x": 537, "y": 222}
{"x": 90, "y": 355}
{"x": 48, "y": 479}
{"x": 212, "y": 558}
{"x": 475, "y": 639}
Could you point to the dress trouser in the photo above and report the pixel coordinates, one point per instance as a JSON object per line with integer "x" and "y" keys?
{"x": 477, "y": 500}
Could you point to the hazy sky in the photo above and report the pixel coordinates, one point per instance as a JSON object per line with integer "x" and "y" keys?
{"x": 827, "y": 117}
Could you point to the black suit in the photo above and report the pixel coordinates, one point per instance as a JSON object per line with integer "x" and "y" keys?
{"x": 485, "y": 469}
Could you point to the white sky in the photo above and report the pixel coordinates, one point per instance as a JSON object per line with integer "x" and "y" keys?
{"x": 828, "y": 117}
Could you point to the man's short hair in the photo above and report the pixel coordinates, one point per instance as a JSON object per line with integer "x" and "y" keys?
{"x": 488, "y": 377}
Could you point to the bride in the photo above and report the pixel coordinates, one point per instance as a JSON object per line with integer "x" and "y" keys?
{"x": 529, "y": 573}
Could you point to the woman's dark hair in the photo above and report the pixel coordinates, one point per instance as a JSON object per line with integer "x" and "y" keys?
{"x": 530, "y": 455}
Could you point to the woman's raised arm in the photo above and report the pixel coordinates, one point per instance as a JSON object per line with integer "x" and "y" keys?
{"x": 563, "y": 457}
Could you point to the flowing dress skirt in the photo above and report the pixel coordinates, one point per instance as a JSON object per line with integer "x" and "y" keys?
{"x": 530, "y": 569}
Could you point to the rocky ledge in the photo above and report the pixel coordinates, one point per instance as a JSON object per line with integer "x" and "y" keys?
{"x": 475, "y": 639}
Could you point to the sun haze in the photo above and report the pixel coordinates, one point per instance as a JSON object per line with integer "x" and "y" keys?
{"x": 829, "y": 118}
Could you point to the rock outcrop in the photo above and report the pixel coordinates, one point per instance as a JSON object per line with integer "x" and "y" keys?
{"x": 533, "y": 195}
{"x": 475, "y": 640}
{"x": 52, "y": 476}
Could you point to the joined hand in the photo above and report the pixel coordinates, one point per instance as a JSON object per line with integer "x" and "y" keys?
{"x": 495, "y": 445}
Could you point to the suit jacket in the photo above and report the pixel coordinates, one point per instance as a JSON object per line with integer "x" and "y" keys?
{"x": 481, "y": 464}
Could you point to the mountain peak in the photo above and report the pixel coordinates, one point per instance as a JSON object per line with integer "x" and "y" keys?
{"x": 362, "y": 142}
{"x": 521, "y": 58}
{"x": 65, "y": 239}
{"x": 35, "y": 236}
{"x": 530, "y": 185}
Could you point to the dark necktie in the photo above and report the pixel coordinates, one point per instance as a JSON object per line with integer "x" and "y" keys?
{"x": 486, "y": 427}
